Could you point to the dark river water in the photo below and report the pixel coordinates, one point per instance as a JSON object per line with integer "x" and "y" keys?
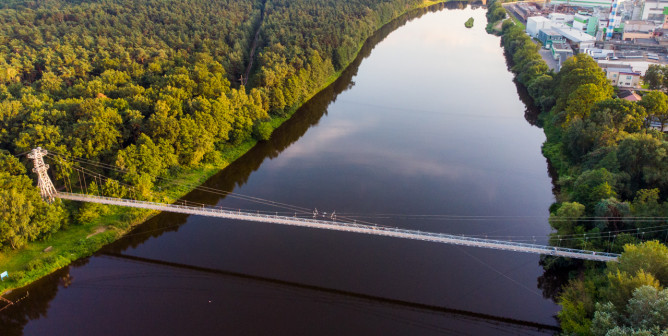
{"x": 426, "y": 130}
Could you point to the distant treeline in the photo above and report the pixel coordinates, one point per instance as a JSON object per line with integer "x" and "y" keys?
{"x": 613, "y": 184}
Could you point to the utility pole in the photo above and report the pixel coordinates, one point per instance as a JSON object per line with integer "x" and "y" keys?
{"x": 46, "y": 188}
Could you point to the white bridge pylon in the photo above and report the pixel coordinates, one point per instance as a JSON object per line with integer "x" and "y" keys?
{"x": 45, "y": 183}
{"x": 46, "y": 188}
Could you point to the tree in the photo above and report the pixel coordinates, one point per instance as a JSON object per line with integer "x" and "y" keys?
{"x": 575, "y": 72}
{"x": 16, "y": 211}
{"x": 113, "y": 188}
{"x": 651, "y": 257}
{"x": 593, "y": 186}
{"x": 24, "y": 216}
{"x": 646, "y": 313}
{"x": 96, "y": 131}
{"x": 611, "y": 213}
{"x": 540, "y": 88}
{"x": 622, "y": 285}
{"x": 194, "y": 142}
{"x": 581, "y": 101}
{"x": 10, "y": 164}
{"x": 648, "y": 308}
{"x": 565, "y": 220}
{"x": 578, "y": 139}
{"x": 618, "y": 115}
{"x": 262, "y": 130}
{"x": 577, "y": 304}
{"x": 655, "y": 77}
{"x": 145, "y": 158}
{"x": 609, "y": 121}
{"x": 496, "y": 12}
{"x": 645, "y": 159}
{"x": 656, "y": 105}
{"x": 162, "y": 126}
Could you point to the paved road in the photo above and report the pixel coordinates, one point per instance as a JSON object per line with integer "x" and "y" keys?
{"x": 547, "y": 57}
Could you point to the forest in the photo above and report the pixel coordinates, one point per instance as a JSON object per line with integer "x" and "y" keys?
{"x": 612, "y": 169}
{"x": 149, "y": 90}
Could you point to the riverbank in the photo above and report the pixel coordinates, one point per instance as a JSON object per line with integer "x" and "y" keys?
{"x": 607, "y": 162}
{"x": 40, "y": 258}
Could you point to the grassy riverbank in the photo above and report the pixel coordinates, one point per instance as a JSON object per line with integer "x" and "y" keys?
{"x": 42, "y": 257}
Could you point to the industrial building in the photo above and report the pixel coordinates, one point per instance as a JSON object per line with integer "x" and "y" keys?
{"x": 536, "y": 23}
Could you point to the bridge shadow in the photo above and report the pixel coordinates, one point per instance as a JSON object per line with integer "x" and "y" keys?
{"x": 13, "y": 319}
{"x": 331, "y": 295}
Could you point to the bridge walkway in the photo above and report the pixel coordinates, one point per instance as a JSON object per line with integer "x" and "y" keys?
{"x": 348, "y": 227}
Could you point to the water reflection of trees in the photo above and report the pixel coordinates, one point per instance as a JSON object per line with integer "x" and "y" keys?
{"x": 531, "y": 111}
{"x": 34, "y": 300}
{"x": 555, "y": 270}
{"x": 554, "y": 276}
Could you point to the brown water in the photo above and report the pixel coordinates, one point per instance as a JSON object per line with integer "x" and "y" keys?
{"x": 429, "y": 123}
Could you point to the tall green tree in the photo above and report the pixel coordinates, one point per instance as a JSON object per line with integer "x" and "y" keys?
{"x": 655, "y": 77}
{"x": 656, "y": 105}
{"x": 593, "y": 186}
{"x": 644, "y": 158}
{"x": 575, "y": 75}
{"x": 24, "y": 216}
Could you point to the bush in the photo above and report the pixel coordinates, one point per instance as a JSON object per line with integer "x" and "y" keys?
{"x": 17, "y": 276}
{"x": 34, "y": 264}
{"x": 262, "y": 130}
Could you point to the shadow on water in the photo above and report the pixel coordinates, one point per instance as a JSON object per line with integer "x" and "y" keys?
{"x": 532, "y": 114}
{"x": 531, "y": 111}
{"x": 37, "y": 298}
{"x": 554, "y": 277}
{"x": 334, "y": 294}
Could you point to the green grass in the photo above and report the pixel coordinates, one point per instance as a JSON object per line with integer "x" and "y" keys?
{"x": 78, "y": 241}
{"x": 517, "y": 22}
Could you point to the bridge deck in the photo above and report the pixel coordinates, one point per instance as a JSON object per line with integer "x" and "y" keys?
{"x": 349, "y": 227}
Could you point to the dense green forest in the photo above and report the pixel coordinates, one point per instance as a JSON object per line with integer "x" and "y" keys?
{"x": 612, "y": 184}
{"x": 149, "y": 90}
{"x": 307, "y": 42}
{"x": 117, "y": 82}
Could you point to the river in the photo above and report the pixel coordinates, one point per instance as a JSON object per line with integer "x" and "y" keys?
{"x": 425, "y": 130}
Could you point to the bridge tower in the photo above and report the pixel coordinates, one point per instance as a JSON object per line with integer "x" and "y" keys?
{"x": 46, "y": 188}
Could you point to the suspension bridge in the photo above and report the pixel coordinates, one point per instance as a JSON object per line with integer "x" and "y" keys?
{"x": 49, "y": 193}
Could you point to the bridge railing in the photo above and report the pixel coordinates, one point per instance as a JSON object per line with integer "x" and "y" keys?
{"x": 441, "y": 235}
{"x": 364, "y": 228}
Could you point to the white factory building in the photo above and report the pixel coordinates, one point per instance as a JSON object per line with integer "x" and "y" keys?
{"x": 536, "y": 23}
